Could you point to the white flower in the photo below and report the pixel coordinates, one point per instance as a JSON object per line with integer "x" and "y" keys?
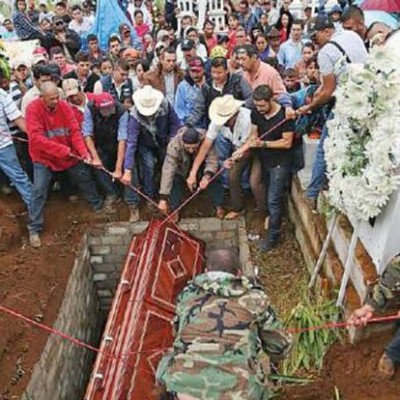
{"x": 363, "y": 148}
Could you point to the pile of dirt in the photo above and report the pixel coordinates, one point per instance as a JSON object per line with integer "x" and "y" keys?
{"x": 33, "y": 281}
{"x": 352, "y": 370}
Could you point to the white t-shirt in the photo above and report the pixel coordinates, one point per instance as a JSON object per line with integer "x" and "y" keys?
{"x": 241, "y": 130}
{"x": 331, "y": 59}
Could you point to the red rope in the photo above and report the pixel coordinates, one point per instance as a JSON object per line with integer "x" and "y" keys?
{"x": 170, "y": 216}
{"x": 333, "y": 325}
{"x": 79, "y": 343}
{"x": 215, "y": 176}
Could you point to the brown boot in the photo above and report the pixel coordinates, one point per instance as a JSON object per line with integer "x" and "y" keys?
{"x": 386, "y": 366}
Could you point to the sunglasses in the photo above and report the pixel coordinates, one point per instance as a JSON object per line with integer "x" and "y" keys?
{"x": 59, "y": 23}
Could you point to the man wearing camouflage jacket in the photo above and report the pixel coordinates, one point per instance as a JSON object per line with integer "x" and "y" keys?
{"x": 383, "y": 294}
{"x": 226, "y": 334}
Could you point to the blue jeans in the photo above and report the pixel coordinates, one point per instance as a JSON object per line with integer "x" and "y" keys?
{"x": 393, "y": 348}
{"x": 318, "y": 175}
{"x": 179, "y": 187}
{"x": 11, "y": 167}
{"x": 79, "y": 174}
{"x": 131, "y": 197}
{"x": 147, "y": 161}
{"x": 276, "y": 181}
{"x": 224, "y": 148}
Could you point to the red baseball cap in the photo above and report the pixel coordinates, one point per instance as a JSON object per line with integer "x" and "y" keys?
{"x": 104, "y": 101}
{"x": 196, "y": 64}
{"x": 40, "y": 50}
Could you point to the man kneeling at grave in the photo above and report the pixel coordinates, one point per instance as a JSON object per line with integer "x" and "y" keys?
{"x": 383, "y": 294}
{"x": 226, "y": 333}
{"x": 181, "y": 152}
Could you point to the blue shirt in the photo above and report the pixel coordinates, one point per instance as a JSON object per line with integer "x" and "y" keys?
{"x": 23, "y": 27}
{"x": 289, "y": 53}
{"x": 185, "y": 97}
{"x": 88, "y": 127}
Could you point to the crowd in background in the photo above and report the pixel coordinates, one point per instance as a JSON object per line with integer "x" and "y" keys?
{"x": 162, "y": 110}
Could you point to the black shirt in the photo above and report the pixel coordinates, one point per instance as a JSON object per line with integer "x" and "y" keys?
{"x": 273, "y": 157}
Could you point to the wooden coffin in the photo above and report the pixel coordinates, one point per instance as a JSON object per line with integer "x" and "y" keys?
{"x": 159, "y": 263}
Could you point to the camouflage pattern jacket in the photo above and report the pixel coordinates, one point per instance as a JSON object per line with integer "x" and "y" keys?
{"x": 386, "y": 290}
{"x": 226, "y": 331}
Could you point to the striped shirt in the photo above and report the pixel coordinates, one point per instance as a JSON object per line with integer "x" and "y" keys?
{"x": 8, "y": 112}
{"x": 16, "y": 95}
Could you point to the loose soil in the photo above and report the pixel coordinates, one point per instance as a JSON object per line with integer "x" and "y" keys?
{"x": 33, "y": 282}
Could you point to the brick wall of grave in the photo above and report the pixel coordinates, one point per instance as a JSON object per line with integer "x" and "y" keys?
{"x": 108, "y": 246}
{"x": 64, "y": 369}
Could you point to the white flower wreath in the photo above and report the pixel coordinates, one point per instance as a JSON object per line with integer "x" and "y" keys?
{"x": 363, "y": 148}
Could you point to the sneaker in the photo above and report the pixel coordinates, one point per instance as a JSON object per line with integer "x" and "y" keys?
{"x": 134, "y": 215}
{"x": 386, "y": 366}
{"x": 34, "y": 240}
{"x": 266, "y": 245}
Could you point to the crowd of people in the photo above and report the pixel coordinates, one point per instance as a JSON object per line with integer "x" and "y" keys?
{"x": 163, "y": 110}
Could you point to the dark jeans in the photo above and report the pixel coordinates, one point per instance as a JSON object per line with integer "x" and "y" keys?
{"x": 393, "y": 348}
{"x": 179, "y": 188}
{"x": 147, "y": 161}
{"x": 238, "y": 176}
{"x": 103, "y": 179}
{"x": 318, "y": 175}
{"x": 276, "y": 180}
{"x": 79, "y": 175}
{"x": 23, "y": 155}
{"x": 131, "y": 197}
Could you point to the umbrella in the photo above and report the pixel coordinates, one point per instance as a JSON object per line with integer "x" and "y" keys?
{"x": 380, "y": 16}
{"x": 381, "y": 5}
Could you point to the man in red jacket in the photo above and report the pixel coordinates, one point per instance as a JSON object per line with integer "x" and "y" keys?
{"x": 54, "y": 138}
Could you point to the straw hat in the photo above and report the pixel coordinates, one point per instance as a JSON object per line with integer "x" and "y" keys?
{"x": 147, "y": 100}
{"x": 223, "y": 108}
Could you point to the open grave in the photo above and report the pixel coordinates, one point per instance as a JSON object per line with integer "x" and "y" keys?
{"x": 64, "y": 368}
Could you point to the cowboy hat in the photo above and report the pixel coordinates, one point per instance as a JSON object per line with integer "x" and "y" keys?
{"x": 223, "y": 108}
{"x": 147, "y": 100}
